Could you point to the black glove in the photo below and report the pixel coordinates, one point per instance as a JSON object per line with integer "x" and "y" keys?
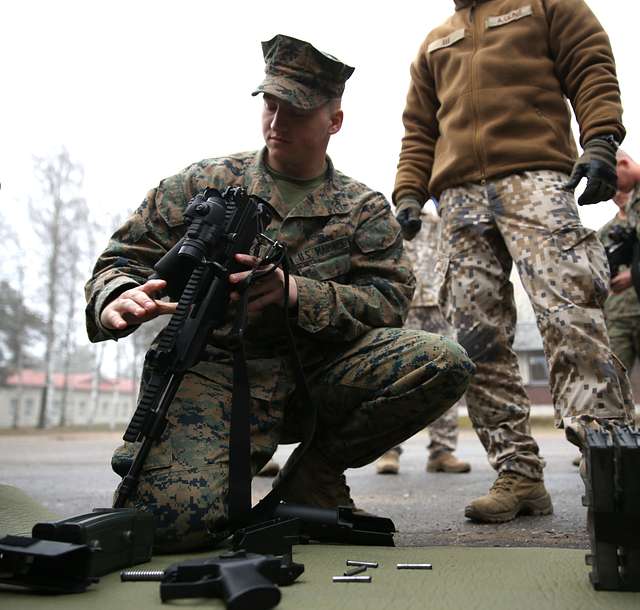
{"x": 408, "y": 216}
{"x": 598, "y": 165}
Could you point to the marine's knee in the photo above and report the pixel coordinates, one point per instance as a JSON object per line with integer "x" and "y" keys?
{"x": 459, "y": 366}
{"x": 187, "y": 507}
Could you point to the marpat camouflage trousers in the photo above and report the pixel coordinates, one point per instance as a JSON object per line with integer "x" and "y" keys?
{"x": 371, "y": 394}
{"x": 527, "y": 218}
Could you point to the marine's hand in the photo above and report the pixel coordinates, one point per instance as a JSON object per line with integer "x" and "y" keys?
{"x": 598, "y": 165}
{"x": 264, "y": 291}
{"x": 408, "y": 216}
{"x": 135, "y": 306}
{"x": 621, "y": 282}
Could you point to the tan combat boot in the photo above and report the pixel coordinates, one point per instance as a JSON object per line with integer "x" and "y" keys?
{"x": 316, "y": 483}
{"x": 510, "y": 495}
{"x": 388, "y": 462}
{"x": 447, "y": 462}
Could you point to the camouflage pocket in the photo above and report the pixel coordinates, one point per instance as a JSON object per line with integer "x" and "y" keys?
{"x": 582, "y": 266}
{"x": 160, "y": 456}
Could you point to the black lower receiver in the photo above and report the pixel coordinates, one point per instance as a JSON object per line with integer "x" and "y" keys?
{"x": 245, "y": 581}
{"x": 67, "y": 556}
{"x": 612, "y": 460}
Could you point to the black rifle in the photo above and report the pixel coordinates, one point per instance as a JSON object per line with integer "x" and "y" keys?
{"x": 612, "y": 461}
{"x": 620, "y": 249}
{"x": 245, "y": 581}
{"x": 219, "y": 227}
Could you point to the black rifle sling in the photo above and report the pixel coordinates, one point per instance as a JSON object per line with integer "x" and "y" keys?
{"x": 239, "y": 498}
{"x": 264, "y": 509}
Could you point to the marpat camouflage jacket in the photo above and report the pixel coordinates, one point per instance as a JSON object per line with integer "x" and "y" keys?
{"x": 343, "y": 241}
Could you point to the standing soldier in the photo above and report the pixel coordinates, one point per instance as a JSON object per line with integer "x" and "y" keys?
{"x": 424, "y": 314}
{"x": 488, "y": 133}
{"x": 622, "y": 309}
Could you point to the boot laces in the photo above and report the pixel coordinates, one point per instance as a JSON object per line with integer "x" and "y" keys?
{"x": 505, "y": 481}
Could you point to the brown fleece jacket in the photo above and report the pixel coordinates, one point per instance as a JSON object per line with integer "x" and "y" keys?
{"x": 489, "y": 89}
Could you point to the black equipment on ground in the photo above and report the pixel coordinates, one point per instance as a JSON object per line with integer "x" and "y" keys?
{"x": 612, "y": 459}
{"x": 245, "y": 581}
{"x": 298, "y": 523}
{"x": 44, "y": 565}
{"x": 67, "y": 556}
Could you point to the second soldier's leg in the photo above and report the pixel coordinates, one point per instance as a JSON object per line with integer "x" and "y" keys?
{"x": 443, "y": 432}
{"x": 623, "y": 336}
{"x": 443, "y": 437}
{"x": 478, "y": 300}
{"x": 564, "y": 271}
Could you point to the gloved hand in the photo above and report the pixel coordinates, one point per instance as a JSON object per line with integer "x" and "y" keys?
{"x": 408, "y": 216}
{"x": 598, "y": 165}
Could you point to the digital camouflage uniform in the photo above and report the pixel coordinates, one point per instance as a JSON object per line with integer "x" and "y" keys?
{"x": 622, "y": 311}
{"x": 374, "y": 385}
{"x": 424, "y": 314}
{"x": 488, "y": 133}
{"x": 564, "y": 272}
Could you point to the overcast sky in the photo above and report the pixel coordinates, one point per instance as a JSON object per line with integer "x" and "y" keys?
{"x": 138, "y": 90}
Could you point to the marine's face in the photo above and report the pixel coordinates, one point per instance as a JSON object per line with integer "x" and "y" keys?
{"x": 297, "y": 139}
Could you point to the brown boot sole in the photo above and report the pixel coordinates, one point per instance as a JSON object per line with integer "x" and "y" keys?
{"x": 536, "y": 507}
{"x": 388, "y": 470}
{"x": 434, "y": 468}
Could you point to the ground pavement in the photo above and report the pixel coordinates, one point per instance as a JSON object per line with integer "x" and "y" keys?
{"x": 68, "y": 472}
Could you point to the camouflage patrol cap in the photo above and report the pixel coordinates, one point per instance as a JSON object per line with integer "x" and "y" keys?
{"x": 300, "y": 74}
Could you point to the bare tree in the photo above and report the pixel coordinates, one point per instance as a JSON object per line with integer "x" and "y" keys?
{"x": 56, "y": 219}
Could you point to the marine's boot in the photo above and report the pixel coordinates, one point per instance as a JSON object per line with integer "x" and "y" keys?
{"x": 445, "y": 461}
{"x": 270, "y": 469}
{"x": 511, "y": 494}
{"x": 388, "y": 462}
{"x": 315, "y": 482}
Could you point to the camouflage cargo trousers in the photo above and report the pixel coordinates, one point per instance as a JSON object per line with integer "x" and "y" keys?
{"x": 624, "y": 335}
{"x": 371, "y": 394}
{"x": 527, "y": 218}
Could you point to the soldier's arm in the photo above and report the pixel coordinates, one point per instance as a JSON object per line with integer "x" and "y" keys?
{"x": 128, "y": 260}
{"x": 421, "y": 133}
{"x": 377, "y": 290}
{"x": 586, "y": 68}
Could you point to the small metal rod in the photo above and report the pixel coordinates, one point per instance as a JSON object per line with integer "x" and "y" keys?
{"x": 414, "y": 566}
{"x": 351, "y": 579}
{"x": 356, "y": 570}
{"x": 366, "y": 564}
